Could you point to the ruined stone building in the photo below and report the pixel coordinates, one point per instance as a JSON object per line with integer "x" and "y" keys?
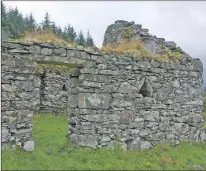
{"x": 110, "y": 99}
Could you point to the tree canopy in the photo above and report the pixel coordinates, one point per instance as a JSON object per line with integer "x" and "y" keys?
{"x": 16, "y": 24}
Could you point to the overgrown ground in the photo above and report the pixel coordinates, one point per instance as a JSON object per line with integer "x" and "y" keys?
{"x": 53, "y": 152}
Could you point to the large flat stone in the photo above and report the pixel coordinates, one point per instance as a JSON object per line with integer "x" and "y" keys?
{"x": 29, "y": 146}
{"x": 84, "y": 140}
{"x": 72, "y": 100}
{"x": 94, "y": 101}
{"x": 5, "y": 134}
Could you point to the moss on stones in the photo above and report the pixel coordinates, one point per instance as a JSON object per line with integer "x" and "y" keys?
{"x": 55, "y": 68}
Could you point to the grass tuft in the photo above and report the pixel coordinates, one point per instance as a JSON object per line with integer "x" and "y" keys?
{"x": 128, "y": 32}
{"x": 54, "y": 68}
{"x": 136, "y": 48}
{"x": 45, "y": 36}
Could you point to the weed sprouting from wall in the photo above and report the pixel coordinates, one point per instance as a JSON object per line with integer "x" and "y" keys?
{"x": 54, "y": 68}
{"x": 45, "y": 36}
{"x": 136, "y": 48}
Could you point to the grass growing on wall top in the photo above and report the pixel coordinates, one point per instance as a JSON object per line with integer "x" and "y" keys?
{"x": 54, "y": 68}
{"x": 45, "y": 36}
{"x": 54, "y": 152}
{"x": 128, "y": 32}
{"x": 137, "y": 48}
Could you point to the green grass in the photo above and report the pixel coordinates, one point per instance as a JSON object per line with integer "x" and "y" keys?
{"x": 54, "y": 68}
{"x": 54, "y": 152}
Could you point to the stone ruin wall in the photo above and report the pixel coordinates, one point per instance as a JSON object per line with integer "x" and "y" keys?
{"x": 136, "y": 103}
{"x": 25, "y": 89}
{"x": 19, "y": 99}
{"x": 54, "y": 94}
{"x": 124, "y": 30}
{"x": 133, "y": 102}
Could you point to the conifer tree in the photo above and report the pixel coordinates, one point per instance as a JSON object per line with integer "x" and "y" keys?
{"x": 72, "y": 34}
{"x": 59, "y": 31}
{"x": 89, "y": 40}
{"x": 80, "y": 39}
{"x": 4, "y": 23}
{"x": 13, "y": 21}
{"x": 32, "y": 22}
{"x": 26, "y": 21}
{"x": 20, "y": 24}
{"x": 16, "y": 12}
{"x": 54, "y": 28}
{"x": 3, "y": 15}
{"x": 69, "y": 33}
{"x": 46, "y": 23}
{"x": 65, "y": 34}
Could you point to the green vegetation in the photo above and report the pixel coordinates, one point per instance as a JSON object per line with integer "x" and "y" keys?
{"x": 54, "y": 68}
{"x": 44, "y": 36}
{"x": 171, "y": 54}
{"x": 127, "y": 32}
{"x": 16, "y": 26}
{"x": 136, "y": 48}
{"x": 81, "y": 40}
{"x": 53, "y": 152}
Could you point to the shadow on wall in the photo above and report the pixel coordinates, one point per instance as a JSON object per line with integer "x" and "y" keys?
{"x": 54, "y": 86}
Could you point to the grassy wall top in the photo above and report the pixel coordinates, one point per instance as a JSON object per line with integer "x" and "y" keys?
{"x": 137, "y": 49}
{"x": 53, "y": 68}
{"x": 133, "y": 48}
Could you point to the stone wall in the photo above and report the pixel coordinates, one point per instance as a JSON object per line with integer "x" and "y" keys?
{"x": 25, "y": 89}
{"x": 19, "y": 99}
{"x": 124, "y": 30}
{"x": 54, "y": 92}
{"x": 53, "y": 89}
{"x": 135, "y": 102}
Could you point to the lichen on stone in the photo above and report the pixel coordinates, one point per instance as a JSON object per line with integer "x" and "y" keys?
{"x": 127, "y": 33}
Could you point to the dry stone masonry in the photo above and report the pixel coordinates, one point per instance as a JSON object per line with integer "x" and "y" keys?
{"x": 112, "y": 100}
{"x": 124, "y": 30}
{"x": 54, "y": 92}
{"x": 19, "y": 99}
{"x": 136, "y": 103}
